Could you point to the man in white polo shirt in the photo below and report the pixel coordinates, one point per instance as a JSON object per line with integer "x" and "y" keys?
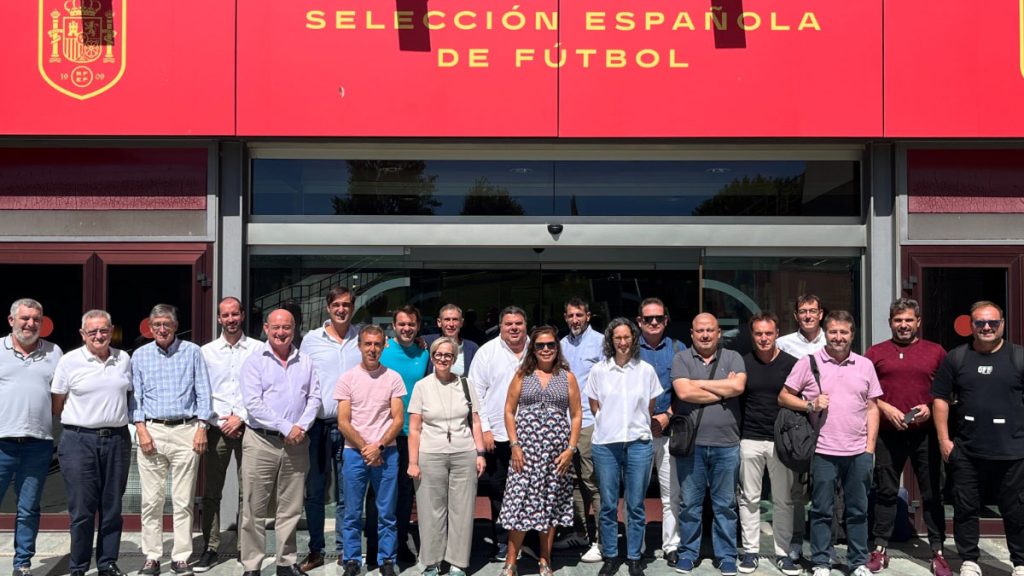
{"x": 27, "y": 364}
{"x": 90, "y": 394}
{"x": 224, "y": 358}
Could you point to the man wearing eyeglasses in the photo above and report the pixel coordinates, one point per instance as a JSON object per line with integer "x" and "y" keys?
{"x": 170, "y": 406}
{"x": 224, "y": 358}
{"x": 493, "y": 368}
{"x": 984, "y": 451}
{"x": 90, "y": 395}
{"x": 906, "y": 364}
{"x": 808, "y": 339}
{"x": 27, "y": 365}
{"x": 657, "y": 349}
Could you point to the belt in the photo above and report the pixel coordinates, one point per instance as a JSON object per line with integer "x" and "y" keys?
{"x": 97, "y": 431}
{"x": 267, "y": 433}
{"x": 21, "y": 439}
{"x": 177, "y": 422}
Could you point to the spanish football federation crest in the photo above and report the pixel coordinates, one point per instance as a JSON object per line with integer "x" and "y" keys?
{"x": 82, "y": 45}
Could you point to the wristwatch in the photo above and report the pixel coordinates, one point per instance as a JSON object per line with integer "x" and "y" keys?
{"x": 574, "y": 449}
{"x": 203, "y": 425}
{"x": 515, "y": 444}
{"x": 810, "y": 407}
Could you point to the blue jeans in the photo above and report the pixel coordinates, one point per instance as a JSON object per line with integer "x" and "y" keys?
{"x": 855, "y": 474}
{"x": 325, "y": 450}
{"x": 617, "y": 463}
{"x": 384, "y": 479}
{"x": 714, "y": 468}
{"x": 26, "y": 462}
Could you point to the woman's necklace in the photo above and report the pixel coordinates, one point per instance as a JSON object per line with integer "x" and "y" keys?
{"x": 442, "y": 391}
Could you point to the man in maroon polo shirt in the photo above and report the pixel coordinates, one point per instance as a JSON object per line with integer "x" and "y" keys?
{"x": 905, "y": 365}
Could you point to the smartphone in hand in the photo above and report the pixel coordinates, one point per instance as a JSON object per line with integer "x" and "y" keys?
{"x": 909, "y": 416}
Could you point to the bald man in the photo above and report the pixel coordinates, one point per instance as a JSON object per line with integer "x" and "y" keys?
{"x": 281, "y": 394}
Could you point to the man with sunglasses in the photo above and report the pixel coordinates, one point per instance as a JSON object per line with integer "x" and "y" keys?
{"x": 906, "y": 364}
{"x": 985, "y": 451}
{"x": 657, "y": 349}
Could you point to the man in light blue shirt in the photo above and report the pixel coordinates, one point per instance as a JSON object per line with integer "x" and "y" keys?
{"x": 583, "y": 348}
{"x": 170, "y": 406}
{"x": 334, "y": 349}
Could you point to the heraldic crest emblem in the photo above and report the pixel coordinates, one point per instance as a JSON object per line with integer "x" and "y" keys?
{"x": 82, "y": 45}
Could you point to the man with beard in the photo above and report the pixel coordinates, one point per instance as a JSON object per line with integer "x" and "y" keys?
{"x": 493, "y": 369}
{"x": 846, "y": 398}
{"x": 224, "y": 358}
{"x": 583, "y": 348}
{"x": 985, "y": 453}
{"x": 27, "y": 366}
{"x": 905, "y": 365}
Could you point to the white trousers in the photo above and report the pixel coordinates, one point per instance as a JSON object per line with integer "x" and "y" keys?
{"x": 173, "y": 457}
{"x": 668, "y": 485}
{"x": 755, "y": 456}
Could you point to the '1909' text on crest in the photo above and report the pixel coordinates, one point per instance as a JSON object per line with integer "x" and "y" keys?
{"x": 82, "y": 45}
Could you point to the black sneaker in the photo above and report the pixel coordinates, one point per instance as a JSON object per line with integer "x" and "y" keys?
{"x": 671, "y": 558}
{"x": 23, "y": 571}
{"x": 110, "y": 570}
{"x": 636, "y": 567}
{"x": 352, "y": 568}
{"x": 387, "y": 568}
{"x": 610, "y": 567}
{"x": 207, "y": 560}
{"x": 150, "y": 568}
{"x": 180, "y": 568}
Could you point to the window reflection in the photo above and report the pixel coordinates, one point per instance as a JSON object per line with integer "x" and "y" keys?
{"x": 561, "y": 188}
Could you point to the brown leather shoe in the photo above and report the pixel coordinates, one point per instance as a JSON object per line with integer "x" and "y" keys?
{"x": 312, "y": 560}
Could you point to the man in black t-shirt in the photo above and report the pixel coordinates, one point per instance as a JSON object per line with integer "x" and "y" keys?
{"x": 767, "y": 369}
{"x": 987, "y": 450}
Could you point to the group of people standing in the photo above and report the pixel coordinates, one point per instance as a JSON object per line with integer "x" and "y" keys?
{"x": 552, "y": 430}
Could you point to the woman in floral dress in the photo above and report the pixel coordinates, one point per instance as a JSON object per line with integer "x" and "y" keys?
{"x": 543, "y": 417}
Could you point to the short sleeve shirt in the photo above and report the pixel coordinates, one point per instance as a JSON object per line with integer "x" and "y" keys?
{"x": 625, "y": 394}
{"x": 720, "y": 424}
{"x": 445, "y": 413}
{"x": 849, "y": 385}
{"x": 26, "y": 409}
{"x": 97, "y": 390}
{"x": 760, "y": 398}
{"x": 370, "y": 394}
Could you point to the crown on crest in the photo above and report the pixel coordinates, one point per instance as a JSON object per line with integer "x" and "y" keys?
{"x": 82, "y": 7}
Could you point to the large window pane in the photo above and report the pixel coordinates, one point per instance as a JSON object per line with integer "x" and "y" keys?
{"x": 560, "y": 188}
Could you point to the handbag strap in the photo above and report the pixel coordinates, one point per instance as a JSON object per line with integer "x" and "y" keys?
{"x": 711, "y": 376}
{"x": 469, "y": 402}
{"x": 817, "y": 381}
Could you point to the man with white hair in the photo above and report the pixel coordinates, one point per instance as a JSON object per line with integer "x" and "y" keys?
{"x": 27, "y": 365}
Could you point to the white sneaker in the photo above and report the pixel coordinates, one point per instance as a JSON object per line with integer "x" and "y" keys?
{"x": 1018, "y": 571}
{"x": 969, "y": 568}
{"x": 593, "y": 554}
{"x": 822, "y": 571}
{"x": 861, "y": 570}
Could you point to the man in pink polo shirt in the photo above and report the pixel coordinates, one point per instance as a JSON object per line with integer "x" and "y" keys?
{"x": 370, "y": 415}
{"x": 845, "y": 408}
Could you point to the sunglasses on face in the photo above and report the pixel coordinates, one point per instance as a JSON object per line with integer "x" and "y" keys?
{"x": 980, "y": 324}
{"x": 659, "y": 319}
{"x": 545, "y": 345}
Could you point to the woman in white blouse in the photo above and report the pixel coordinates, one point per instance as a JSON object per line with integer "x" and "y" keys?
{"x": 622, "y": 390}
{"x": 446, "y": 456}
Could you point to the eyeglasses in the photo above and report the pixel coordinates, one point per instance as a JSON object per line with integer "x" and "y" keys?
{"x": 979, "y": 324}
{"x": 98, "y": 332}
{"x": 659, "y": 319}
{"x": 159, "y": 325}
{"x": 545, "y": 345}
{"x": 806, "y": 311}
{"x": 444, "y": 356}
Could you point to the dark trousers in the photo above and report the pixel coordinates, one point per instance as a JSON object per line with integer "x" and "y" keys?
{"x": 95, "y": 469}
{"x": 892, "y": 451}
{"x": 493, "y": 483}
{"x": 972, "y": 478}
{"x": 854, "y": 473}
{"x": 403, "y": 504}
{"x": 219, "y": 449}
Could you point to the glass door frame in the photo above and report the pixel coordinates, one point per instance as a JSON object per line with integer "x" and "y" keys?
{"x": 95, "y": 258}
{"x": 915, "y": 259}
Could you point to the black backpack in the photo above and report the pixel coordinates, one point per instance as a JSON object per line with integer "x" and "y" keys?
{"x": 795, "y": 436}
